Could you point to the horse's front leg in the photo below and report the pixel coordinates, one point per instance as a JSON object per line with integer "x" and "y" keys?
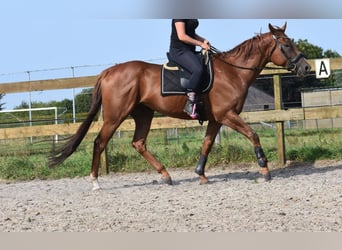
{"x": 234, "y": 121}
{"x": 212, "y": 129}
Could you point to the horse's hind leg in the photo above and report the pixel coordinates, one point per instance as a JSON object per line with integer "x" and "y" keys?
{"x": 100, "y": 144}
{"x": 143, "y": 118}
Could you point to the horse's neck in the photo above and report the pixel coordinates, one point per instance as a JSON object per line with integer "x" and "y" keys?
{"x": 254, "y": 60}
{"x": 265, "y": 48}
{"x": 255, "y": 52}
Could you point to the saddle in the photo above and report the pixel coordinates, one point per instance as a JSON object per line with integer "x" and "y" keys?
{"x": 175, "y": 78}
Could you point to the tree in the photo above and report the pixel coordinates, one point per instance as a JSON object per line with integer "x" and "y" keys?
{"x": 83, "y": 100}
{"x": 23, "y": 105}
{"x": 1, "y": 104}
{"x": 313, "y": 51}
{"x": 330, "y": 54}
{"x": 66, "y": 103}
{"x": 310, "y": 51}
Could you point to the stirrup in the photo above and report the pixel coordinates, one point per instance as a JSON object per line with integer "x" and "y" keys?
{"x": 190, "y": 109}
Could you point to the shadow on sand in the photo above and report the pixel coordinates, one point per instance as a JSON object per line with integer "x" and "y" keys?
{"x": 290, "y": 170}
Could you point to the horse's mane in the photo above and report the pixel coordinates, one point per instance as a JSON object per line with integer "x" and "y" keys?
{"x": 245, "y": 49}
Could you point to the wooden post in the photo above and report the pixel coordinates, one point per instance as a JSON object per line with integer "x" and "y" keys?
{"x": 279, "y": 125}
{"x": 103, "y": 159}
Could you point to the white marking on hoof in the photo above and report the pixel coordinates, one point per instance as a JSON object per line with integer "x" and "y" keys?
{"x": 96, "y": 185}
{"x": 95, "y": 182}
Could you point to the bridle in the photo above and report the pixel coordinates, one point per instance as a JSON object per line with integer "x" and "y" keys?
{"x": 291, "y": 62}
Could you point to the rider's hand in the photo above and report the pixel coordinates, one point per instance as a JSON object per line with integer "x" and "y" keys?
{"x": 205, "y": 45}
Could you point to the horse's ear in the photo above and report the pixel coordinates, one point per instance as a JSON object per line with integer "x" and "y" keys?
{"x": 284, "y": 27}
{"x": 274, "y": 29}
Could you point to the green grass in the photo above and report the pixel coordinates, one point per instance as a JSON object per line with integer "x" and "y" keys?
{"x": 311, "y": 145}
{"x": 23, "y": 160}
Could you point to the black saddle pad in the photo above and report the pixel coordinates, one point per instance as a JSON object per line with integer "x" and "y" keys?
{"x": 174, "y": 78}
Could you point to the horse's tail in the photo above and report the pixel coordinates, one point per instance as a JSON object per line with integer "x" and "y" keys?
{"x": 61, "y": 153}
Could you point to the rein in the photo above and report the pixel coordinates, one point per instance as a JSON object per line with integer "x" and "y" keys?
{"x": 291, "y": 62}
{"x": 215, "y": 51}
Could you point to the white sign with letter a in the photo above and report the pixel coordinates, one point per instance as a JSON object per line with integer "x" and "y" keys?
{"x": 322, "y": 67}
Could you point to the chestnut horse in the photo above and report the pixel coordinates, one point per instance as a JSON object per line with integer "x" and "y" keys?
{"x": 133, "y": 88}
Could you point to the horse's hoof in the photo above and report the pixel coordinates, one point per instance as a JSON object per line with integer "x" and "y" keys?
{"x": 96, "y": 188}
{"x": 96, "y": 185}
{"x": 203, "y": 180}
{"x": 166, "y": 180}
{"x": 265, "y": 173}
{"x": 264, "y": 178}
{"x": 95, "y": 182}
{"x": 267, "y": 176}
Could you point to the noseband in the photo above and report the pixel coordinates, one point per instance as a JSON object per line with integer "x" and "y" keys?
{"x": 291, "y": 62}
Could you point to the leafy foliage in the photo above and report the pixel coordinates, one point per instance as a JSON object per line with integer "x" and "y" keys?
{"x": 83, "y": 100}
{"x": 313, "y": 51}
{"x": 1, "y": 104}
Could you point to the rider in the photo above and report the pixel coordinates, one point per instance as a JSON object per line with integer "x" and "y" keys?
{"x": 182, "y": 51}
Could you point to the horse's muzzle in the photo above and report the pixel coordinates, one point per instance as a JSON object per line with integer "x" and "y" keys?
{"x": 301, "y": 68}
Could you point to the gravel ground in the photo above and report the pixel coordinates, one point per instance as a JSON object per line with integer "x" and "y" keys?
{"x": 300, "y": 198}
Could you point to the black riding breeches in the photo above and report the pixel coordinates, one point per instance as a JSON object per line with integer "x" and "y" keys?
{"x": 189, "y": 61}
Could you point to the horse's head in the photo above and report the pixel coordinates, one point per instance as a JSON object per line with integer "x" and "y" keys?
{"x": 286, "y": 54}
